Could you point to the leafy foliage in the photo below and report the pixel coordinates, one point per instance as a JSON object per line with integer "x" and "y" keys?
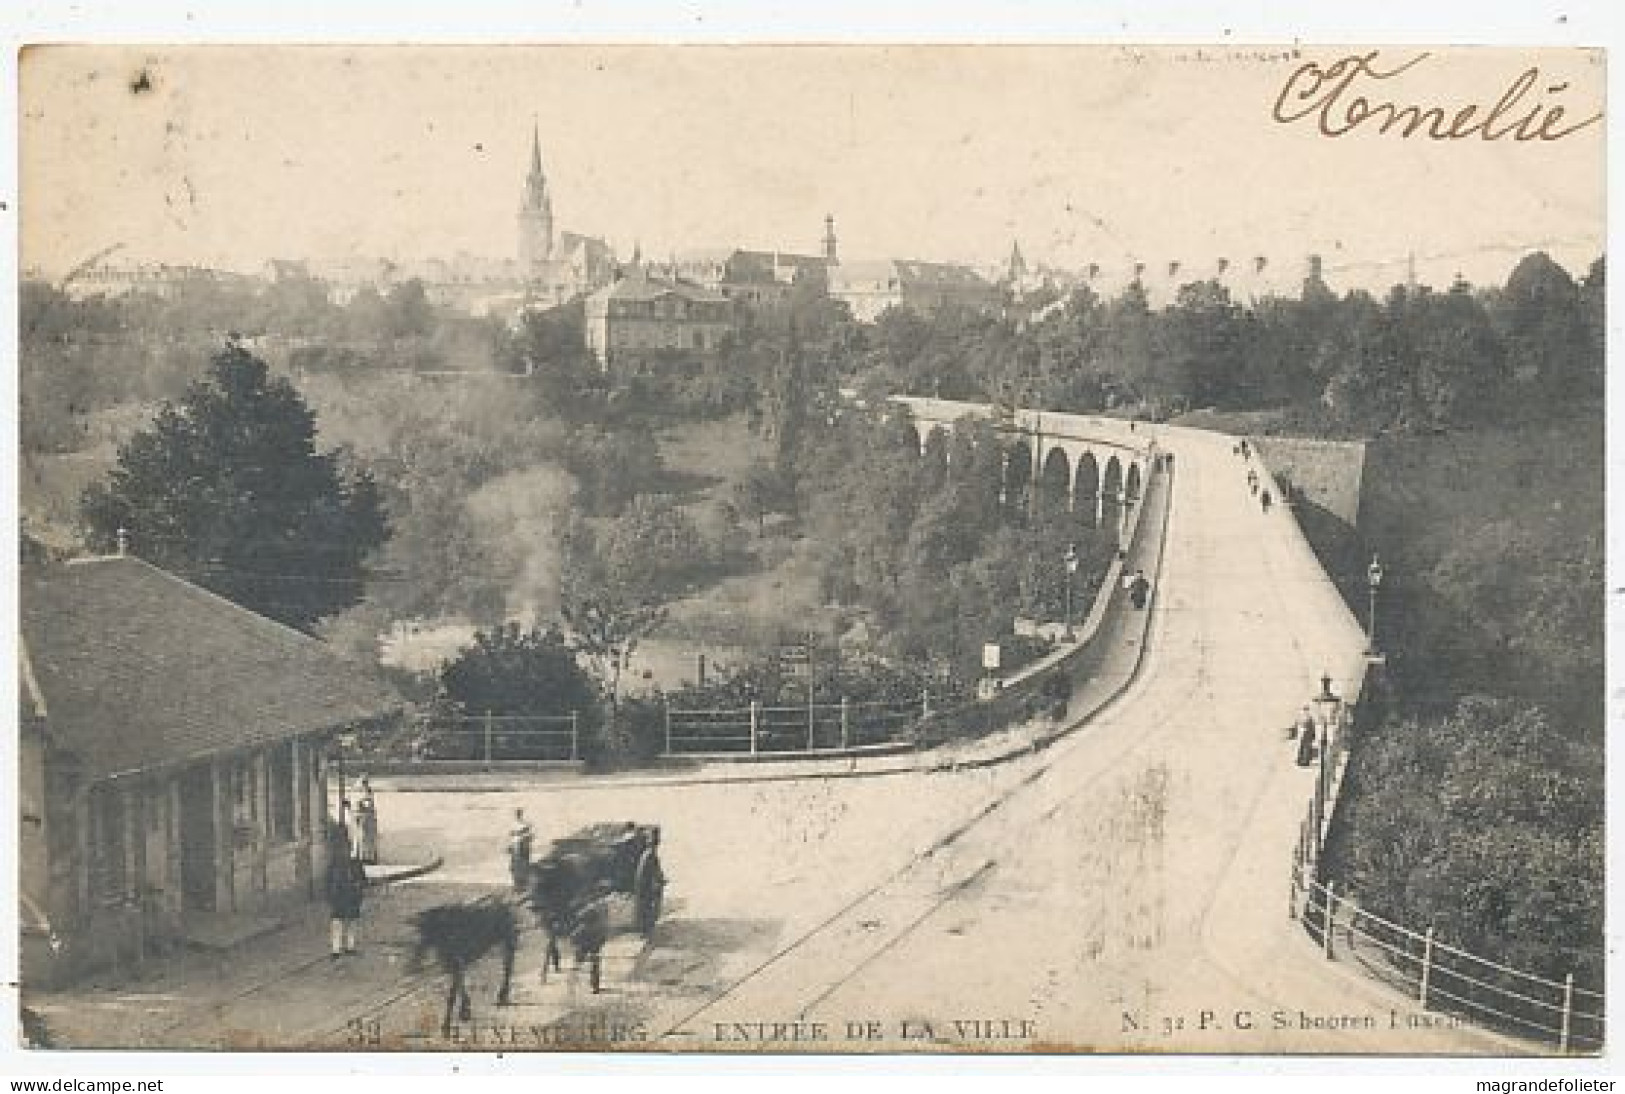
{"x": 1488, "y": 826}
{"x": 928, "y": 546}
{"x": 227, "y": 488}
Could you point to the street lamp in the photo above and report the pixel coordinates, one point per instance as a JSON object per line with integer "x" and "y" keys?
{"x": 1373, "y": 581}
{"x": 1071, "y": 568}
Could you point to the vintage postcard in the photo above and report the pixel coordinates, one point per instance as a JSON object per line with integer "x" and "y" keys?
{"x": 812, "y": 549}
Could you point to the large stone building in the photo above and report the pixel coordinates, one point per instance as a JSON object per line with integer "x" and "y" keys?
{"x": 642, "y": 316}
{"x": 766, "y": 277}
{"x": 870, "y": 287}
{"x": 755, "y": 277}
{"x": 173, "y": 771}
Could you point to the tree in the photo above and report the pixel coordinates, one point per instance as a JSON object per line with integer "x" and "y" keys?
{"x": 609, "y": 605}
{"x": 761, "y": 491}
{"x": 1201, "y": 354}
{"x": 1461, "y": 362}
{"x": 227, "y": 489}
{"x": 1488, "y": 826}
{"x": 1542, "y": 313}
{"x": 511, "y": 671}
{"x": 550, "y": 347}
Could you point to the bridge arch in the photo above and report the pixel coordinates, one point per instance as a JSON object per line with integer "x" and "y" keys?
{"x": 1086, "y": 488}
{"x": 1131, "y": 483}
{"x": 1055, "y": 481}
{"x": 1017, "y": 481}
{"x": 1111, "y": 480}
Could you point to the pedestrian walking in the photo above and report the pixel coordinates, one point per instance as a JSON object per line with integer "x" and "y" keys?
{"x": 346, "y": 884}
{"x": 520, "y": 841}
{"x": 1264, "y": 500}
{"x": 366, "y": 817}
{"x": 1139, "y": 588}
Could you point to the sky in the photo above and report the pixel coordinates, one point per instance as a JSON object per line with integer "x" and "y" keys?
{"x": 228, "y": 156}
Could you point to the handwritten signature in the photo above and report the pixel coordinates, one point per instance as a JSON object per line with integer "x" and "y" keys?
{"x": 1330, "y": 96}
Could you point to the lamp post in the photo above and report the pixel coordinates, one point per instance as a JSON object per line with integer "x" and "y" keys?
{"x": 1071, "y": 568}
{"x": 1373, "y": 581}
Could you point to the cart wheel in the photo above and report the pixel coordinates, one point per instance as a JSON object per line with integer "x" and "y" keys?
{"x": 646, "y": 892}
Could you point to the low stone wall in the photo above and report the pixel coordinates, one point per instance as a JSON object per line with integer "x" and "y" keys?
{"x": 1329, "y": 473}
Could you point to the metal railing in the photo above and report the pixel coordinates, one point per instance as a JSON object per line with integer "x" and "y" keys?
{"x": 493, "y": 738}
{"x": 1447, "y": 978}
{"x": 810, "y": 728}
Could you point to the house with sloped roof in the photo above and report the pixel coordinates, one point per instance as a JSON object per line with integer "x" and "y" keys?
{"x": 869, "y": 287}
{"x": 174, "y": 762}
{"x": 642, "y": 316}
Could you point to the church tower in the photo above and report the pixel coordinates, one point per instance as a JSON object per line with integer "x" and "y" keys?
{"x": 535, "y": 212}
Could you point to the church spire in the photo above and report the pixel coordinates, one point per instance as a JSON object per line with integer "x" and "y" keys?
{"x": 536, "y": 180}
{"x": 535, "y": 209}
{"x": 1017, "y": 266}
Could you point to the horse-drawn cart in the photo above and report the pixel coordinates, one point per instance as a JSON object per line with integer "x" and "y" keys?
{"x": 571, "y": 887}
{"x": 621, "y": 857}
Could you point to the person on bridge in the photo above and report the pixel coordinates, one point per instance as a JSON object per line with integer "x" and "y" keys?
{"x": 1306, "y": 743}
{"x": 1139, "y": 588}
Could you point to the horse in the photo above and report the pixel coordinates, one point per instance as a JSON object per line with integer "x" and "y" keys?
{"x": 553, "y": 885}
{"x": 568, "y": 905}
{"x": 459, "y": 935}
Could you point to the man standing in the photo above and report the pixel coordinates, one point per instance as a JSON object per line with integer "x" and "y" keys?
{"x": 346, "y": 881}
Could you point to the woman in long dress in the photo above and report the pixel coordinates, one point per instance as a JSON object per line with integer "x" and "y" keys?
{"x": 366, "y": 815}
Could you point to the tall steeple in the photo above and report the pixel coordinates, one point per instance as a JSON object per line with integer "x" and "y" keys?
{"x": 1016, "y": 268}
{"x": 535, "y": 210}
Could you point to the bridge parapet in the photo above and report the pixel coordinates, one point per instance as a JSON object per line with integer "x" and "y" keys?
{"x": 1087, "y": 457}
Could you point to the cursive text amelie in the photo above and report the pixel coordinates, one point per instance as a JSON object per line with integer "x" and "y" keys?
{"x": 1329, "y": 95}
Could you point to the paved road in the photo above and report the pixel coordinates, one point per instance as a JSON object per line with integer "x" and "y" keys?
{"x": 1124, "y": 890}
{"x": 1130, "y": 892}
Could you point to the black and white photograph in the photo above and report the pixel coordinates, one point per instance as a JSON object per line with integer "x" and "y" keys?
{"x": 811, "y": 549}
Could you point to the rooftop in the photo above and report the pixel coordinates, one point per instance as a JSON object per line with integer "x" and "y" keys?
{"x": 140, "y": 669}
{"x": 642, "y": 287}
